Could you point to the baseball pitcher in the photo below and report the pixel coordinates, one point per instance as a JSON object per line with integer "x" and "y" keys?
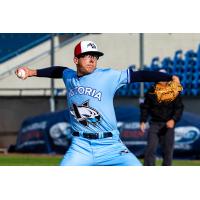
{"x": 90, "y": 92}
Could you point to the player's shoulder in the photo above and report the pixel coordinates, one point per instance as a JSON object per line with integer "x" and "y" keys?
{"x": 103, "y": 69}
{"x": 112, "y": 73}
{"x": 68, "y": 71}
{"x": 109, "y": 70}
{"x": 104, "y": 72}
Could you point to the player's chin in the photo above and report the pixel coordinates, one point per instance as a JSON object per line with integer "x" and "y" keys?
{"x": 89, "y": 70}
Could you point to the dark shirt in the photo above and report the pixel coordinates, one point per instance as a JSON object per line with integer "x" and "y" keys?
{"x": 160, "y": 112}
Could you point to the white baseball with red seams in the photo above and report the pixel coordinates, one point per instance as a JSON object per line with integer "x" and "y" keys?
{"x": 21, "y": 73}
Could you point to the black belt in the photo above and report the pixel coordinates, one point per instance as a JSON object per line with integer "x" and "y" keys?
{"x": 93, "y": 135}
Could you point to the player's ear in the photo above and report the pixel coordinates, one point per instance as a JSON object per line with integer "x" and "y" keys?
{"x": 75, "y": 60}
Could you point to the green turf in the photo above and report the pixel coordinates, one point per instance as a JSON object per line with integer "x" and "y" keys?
{"x": 54, "y": 160}
{"x": 182, "y": 162}
{"x": 29, "y": 160}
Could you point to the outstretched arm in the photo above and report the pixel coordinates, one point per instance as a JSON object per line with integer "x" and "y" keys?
{"x": 49, "y": 72}
{"x": 151, "y": 76}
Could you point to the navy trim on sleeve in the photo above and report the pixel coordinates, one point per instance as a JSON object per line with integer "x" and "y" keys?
{"x": 149, "y": 76}
{"x": 51, "y": 72}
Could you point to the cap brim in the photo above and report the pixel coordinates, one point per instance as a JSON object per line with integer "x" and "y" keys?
{"x": 98, "y": 53}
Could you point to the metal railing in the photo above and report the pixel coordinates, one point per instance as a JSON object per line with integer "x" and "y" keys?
{"x": 34, "y": 91}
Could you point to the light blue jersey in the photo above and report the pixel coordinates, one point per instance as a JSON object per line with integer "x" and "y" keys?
{"x": 90, "y": 99}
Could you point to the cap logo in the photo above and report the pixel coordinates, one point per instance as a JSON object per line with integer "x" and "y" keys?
{"x": 92, "y": 45}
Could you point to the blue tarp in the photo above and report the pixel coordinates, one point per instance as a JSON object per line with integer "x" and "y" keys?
{"x": 47, "y": 133}
{"x": 51, "y": 132}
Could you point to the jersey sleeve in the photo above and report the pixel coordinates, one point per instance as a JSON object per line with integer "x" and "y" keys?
{"x": 120, "y": 78}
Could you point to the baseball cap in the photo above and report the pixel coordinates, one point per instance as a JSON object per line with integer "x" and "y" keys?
{"x": 86, "y": 47}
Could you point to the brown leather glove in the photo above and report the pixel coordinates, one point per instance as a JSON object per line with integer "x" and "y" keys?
{"x": 168, "y": 92}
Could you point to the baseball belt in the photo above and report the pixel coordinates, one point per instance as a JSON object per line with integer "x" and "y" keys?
{"x": 93, "y": 135}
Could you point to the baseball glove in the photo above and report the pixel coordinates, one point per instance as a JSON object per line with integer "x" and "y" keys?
{"x": 167, "y": 93}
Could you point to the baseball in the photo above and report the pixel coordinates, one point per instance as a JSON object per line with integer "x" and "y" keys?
{"x": 21, "y": 73}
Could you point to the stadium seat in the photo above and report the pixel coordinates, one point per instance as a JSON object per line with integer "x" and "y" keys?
{"x": 147, "y": 85}
{"x": 167, "y": 64}
{"x": 155, "y": 66}
{"x": 194, "y": 92}
{"x": 190, "y": 54}
{"x": 187, "y": 67}
{"x": 198, "y": 55}
{"x": 146, "y": 68}
{"x": 13, "y": 44}
{"x": 133, "y": 67}
{"x": 133, "y": 89}
{"x": 183, "y": 92}
{"x": 122, "y": 91}
{"x": 178, "y": 58}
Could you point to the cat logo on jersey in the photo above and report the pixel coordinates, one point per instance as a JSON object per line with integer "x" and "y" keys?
{"x": 85, "y": 114}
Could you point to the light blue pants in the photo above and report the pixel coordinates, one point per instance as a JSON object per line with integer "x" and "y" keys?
{"x": 99, "y": 152}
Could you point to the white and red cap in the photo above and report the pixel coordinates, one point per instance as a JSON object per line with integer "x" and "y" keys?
{"x": 86, "y": 47}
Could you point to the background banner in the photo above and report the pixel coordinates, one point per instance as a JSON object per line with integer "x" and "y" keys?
{"x": 51, "y": 133}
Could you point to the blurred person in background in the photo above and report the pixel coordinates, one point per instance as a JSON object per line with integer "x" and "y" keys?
{"x": 163, "y": 118}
